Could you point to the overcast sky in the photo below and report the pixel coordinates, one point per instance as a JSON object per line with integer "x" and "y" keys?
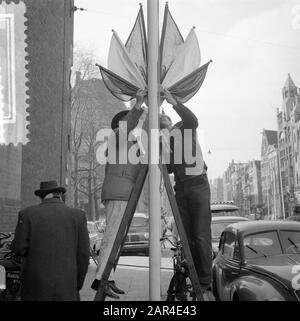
{"x": 254, "y": 44}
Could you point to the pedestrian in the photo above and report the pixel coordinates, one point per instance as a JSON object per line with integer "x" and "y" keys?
{"x": 54, "y": 242}
{"x": 116, "y": 189}
{"x": 296, "y": 214}
{"x": 192, "y": 189}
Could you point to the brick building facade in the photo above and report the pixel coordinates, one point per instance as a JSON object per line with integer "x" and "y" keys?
{"x": 49, "y": 43}
{"x": 288, "y": 123}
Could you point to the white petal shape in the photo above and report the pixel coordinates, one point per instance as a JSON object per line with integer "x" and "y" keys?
{"x": 120, "y": 63}
{"x": 187, "y": 60}
{"x": 136, "y": 44}
{"x": 171, "y": 40}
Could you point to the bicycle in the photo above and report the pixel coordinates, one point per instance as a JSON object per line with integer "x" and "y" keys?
{"x": 94, "y": 255}
{"x": 12, "y": 269}
{"x": 180, "y": 287}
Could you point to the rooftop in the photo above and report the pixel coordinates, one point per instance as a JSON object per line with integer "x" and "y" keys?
{"x": 229, "y": 218}
{"x": 289, "y": 83}
{"x": 271, "y": 136}
{"x": 221, "y": 207}
{"x": 261, "y": 226}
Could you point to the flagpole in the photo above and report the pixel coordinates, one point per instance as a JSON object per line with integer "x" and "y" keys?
{"x": 154, "y": 171}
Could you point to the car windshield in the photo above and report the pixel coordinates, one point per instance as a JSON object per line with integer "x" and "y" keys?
{"x": 139, "y": 221}
{"x": 290, "y": 241}
{"x": 217, "y": 228}
{"x": 262, "y": 245}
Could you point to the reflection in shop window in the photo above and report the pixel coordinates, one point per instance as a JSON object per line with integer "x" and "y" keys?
{"x": 13, "y": 105}
{"x": 12, "y": 74}
{"x": 7, "y": 67}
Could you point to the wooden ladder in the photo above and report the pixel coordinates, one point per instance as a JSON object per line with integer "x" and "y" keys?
{"x": 125, "y": 224}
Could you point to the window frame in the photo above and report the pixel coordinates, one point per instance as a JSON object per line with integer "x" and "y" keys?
{"x": 281, "y": 238}
{"x": 235, "y": 247}
{"x": 261, "y": 232}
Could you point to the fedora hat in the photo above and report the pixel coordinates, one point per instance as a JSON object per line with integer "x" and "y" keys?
{"x": 115, "y": 121}
{"x": 49, "y": 187}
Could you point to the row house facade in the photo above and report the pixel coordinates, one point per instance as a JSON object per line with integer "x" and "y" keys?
{"x": 288, "y": 121}
{"x": 242, "y": 185}
{"x": 270, "y": 176}
{"x": 217, "y": 190}
{"x": 254, "y": 187}
{"x": 229, "y": 181}
{"x": 232, "y": 184}
{"x": 271, "y": 186}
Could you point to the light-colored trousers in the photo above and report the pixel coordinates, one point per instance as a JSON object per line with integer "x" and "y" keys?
{"x": 114, "y": 214}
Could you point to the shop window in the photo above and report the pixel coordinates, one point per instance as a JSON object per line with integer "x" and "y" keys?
{"x": 13, "y": 97}
{"x": 13, "y": 109}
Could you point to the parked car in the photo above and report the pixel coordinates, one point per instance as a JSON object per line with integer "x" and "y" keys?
{"x": 95, "y": 236}
{"x": 255, "y": 216}
{"x": 218, "y": 224}
{"x": 295, "y": 218}
{"x": 137, "y": 239}
{"x": 258, "y": 261}
{"x": 224, "y": 209}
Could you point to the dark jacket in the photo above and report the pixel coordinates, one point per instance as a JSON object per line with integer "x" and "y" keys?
{"x": 188, "y": 121}
{"x": 53, "y": 238}
{"x": 120, "y": 178}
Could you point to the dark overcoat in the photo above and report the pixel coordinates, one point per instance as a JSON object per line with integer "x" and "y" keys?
{"x": 53, "y": 238}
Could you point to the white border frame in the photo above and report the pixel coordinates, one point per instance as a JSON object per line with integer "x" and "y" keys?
{"x": 9, "y": 21}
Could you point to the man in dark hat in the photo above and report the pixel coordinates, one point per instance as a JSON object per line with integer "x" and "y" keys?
{"x": 54, "y": 242}
{"x": 116, "y": 189}
{"x": 296, "y": 214}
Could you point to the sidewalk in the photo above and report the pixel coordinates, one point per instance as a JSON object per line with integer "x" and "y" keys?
{"x": 132, "y": 276}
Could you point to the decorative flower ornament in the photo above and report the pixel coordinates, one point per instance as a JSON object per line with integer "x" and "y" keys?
{"x": 179, "y": 61}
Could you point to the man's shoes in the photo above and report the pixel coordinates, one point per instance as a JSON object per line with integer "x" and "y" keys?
{"x": 113, "y": 286}
{"x": 108, "y": 292}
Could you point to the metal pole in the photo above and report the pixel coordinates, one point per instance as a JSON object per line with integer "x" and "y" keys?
{"x": 154, "y": 171}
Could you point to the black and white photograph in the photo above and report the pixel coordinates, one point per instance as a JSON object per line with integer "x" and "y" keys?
{"x": 150, "y": 152}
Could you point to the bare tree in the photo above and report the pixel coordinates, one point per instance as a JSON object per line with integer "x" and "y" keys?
{"x": 90, "y": 173}
{"x": 84, "y": 62}
{"x": 86, "y": 174}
